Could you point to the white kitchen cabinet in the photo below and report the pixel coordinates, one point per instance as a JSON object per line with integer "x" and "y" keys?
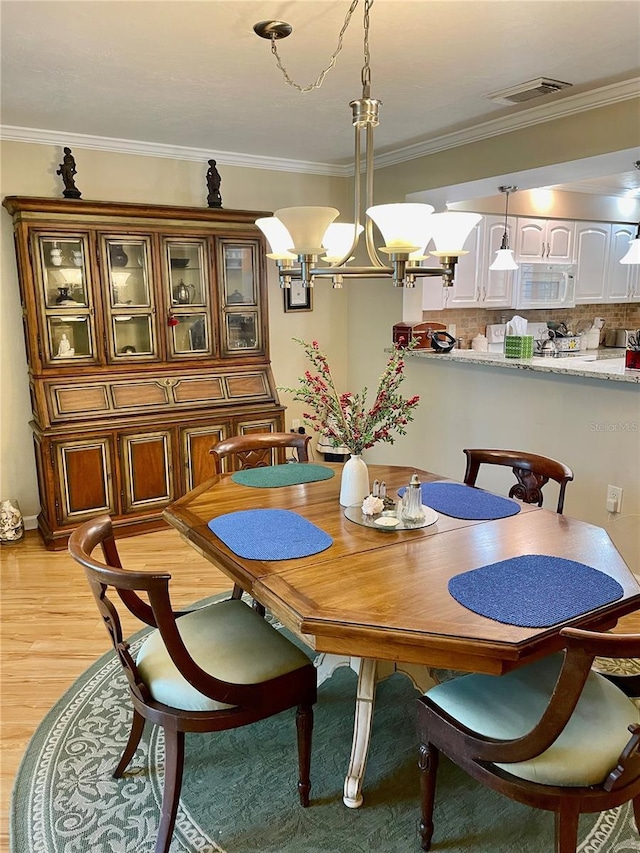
{"x": 622, "y": 280}
{"x": 545, "y": 241}
{"x": 496, "y": 286}
{"x": 467, "y": 274}
{"x": 592, "y": 258}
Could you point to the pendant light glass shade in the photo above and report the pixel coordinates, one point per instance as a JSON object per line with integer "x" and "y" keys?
{"x": 338, "y": 240}
{"x": 504, "y": 260}
{"x": 404, "y": 227}
{"x": 450, "y": 230}
{"x": 278, "y": 237}
{"x": 307, "y": 227}
{"x": 633, "y": 253}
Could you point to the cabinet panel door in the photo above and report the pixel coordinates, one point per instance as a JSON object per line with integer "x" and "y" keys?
{"x": 622, "y": 279}
{"x": 65, "y": 299}
{"x": 238, "y": 265}
{"x": 592, "y": 249}
{"x": 560, "y": 242}
{"x": 531, "y": 240}
{"x": 147, "y": 470}
{"x": 195, "y": 444}
{"x": 466, "y": 281}
{"x": 189, "y": 295}
{"x": 84, "y": 478}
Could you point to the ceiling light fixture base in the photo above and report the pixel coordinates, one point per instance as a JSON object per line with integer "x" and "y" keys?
{"x": 272, "y": 29}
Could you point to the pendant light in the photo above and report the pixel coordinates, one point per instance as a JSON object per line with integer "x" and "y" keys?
{"x": 406, "y": 229}
{"x": 504, "y": 255}
{"x": 633, "y": 253}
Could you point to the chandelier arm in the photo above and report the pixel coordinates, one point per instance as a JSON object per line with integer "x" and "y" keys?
{"x": 320, "y": 79}
{"x": 356, "y": 200}
{"x": 374, "y": 257}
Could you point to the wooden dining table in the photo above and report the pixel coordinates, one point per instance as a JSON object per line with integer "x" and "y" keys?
{"x": 378, "y": 599}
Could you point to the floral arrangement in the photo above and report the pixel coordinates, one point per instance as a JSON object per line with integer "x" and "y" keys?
{"x": 344, "y": 418}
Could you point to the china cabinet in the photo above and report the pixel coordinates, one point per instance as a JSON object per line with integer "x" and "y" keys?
{"x": 147, "y": 342}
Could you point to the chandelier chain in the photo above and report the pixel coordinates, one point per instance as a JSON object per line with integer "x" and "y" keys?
{"x": 366, "y": 68}
{"x": 332, "y": 61}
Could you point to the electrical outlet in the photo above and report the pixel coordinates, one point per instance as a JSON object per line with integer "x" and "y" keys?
{"x": 614, "y": 498}
{"x": 295, "y": 424}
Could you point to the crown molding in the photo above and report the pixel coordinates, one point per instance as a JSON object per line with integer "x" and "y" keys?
{"x": 561, "y": 107}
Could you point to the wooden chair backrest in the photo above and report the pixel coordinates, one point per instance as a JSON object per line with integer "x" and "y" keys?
{"x": 531, "y": 470}
{"x": 157, "y": 613}
{"x": 256, "y": 450}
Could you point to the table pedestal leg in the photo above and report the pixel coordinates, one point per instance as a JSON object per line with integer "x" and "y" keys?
{"x": 369, "y": 672}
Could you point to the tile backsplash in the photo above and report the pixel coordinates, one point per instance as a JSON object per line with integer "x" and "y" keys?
{"x": 470, "y": 321}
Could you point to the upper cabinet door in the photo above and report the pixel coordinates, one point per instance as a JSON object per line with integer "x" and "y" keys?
{"x": 467, "y": 272}
{"x": 545, "y": 241}
{"x": 64, "y": 298}
{"x": 189, "y": 297}
{"x": 129, "y": 298}
{"x": 592, "y": 252}
{"x": 622, "y": 279}
{"x": 241, "y": 318}
{"x": 496, "y": 285}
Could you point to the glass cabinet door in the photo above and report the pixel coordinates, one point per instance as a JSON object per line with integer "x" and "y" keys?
{"x": 241, "y": 325}
{"x": 189, "y": 298}
{"x": 130, "y": 300}
{"x": 66, "y": 298}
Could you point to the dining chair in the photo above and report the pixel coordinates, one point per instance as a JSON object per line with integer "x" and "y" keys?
{"x": 532, "y": 472}
{"x": 209, "y": 669}
{"x": 256, "y": 450}
{"x": 553, "y": 734}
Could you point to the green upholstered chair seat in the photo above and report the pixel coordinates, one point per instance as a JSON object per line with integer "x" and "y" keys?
{"x": 230, "y": 641}
{"x": 509, "y": 706}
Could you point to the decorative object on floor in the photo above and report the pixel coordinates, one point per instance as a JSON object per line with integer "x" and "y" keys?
{"x": 66, "y": 799}
{"x": 275, "y": 476}
{"x": 305, "y": 233}
{"x": 67, "y": 171}
{"x": 344, "y": 418}
{"x": 269, "y": 534}
{"x": 504, "y": 255}
{"x": 11, "y": 522}
{"x": 534, "y": 590}
{"x": 553, "y": 735}
{"x": 223, "y": 668}
{"x": 214, "y": 199}
{"x": 532, "y": 471}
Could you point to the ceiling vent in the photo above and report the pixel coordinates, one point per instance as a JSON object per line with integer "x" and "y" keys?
{"x": 529, "y": 90}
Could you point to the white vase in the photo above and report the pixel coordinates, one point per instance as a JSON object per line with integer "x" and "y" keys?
{"x": 354, "y": 485}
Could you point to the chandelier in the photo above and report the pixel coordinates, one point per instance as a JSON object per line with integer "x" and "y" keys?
{"x": 301, "y": 237}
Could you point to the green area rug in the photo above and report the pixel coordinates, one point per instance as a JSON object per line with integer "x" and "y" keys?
{"x": 239, "y": 791}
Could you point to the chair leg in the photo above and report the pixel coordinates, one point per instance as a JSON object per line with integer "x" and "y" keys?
{"x": 237, "y": 592}
{"x": 137, "y": 727}
{"x": 566, "y": 827}
{"x": 173, "y": 767}
{"x": 636, "y": 812}
{"x": 304, "y": 726}
{"x": 428, "y": 758}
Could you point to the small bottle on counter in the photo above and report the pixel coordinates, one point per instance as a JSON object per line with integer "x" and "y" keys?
{"x": 459, "y": 343}
{"x": 479, "y": 343}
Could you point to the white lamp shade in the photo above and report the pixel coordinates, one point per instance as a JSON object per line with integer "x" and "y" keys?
{"x": 451, "y": 229}
{"x": 504, "y": 260}
{"x": 404, "y": 227}
{"x": 633, "y": 253}
{"x": 278, "y": 237}
{"x": 338, "y": 239}
{"x": 307, "y": 227}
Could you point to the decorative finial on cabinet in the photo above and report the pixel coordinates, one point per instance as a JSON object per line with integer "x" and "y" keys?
{"x": 214, "y": 199}
{"x": 67, "y": 170}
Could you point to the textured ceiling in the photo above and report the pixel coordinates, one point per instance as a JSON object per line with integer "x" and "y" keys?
{"x": 194, "y": 73}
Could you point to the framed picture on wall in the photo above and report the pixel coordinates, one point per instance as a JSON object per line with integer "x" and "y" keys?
{"x": 298, "y": 298}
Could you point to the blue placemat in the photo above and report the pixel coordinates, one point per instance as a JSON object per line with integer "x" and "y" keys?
{"x": 461, "y": 501}
{"x": 534, "y": 591}
{"x": 290, "y": 474}
{"x": 269, "y": 534}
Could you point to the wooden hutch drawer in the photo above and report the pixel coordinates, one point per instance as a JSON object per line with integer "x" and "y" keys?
{"x": 78, "y": 401}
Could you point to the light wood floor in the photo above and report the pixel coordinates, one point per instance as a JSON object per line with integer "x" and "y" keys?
{"x": 50, "y": 630}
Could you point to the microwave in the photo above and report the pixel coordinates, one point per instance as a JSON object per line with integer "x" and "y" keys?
{"x": 544, "y": 286}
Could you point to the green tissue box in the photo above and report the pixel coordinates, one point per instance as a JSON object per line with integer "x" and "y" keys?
{"x": 518, "y": 346}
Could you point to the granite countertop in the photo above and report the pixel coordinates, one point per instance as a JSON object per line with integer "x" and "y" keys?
{"x": 603, "y": 363}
